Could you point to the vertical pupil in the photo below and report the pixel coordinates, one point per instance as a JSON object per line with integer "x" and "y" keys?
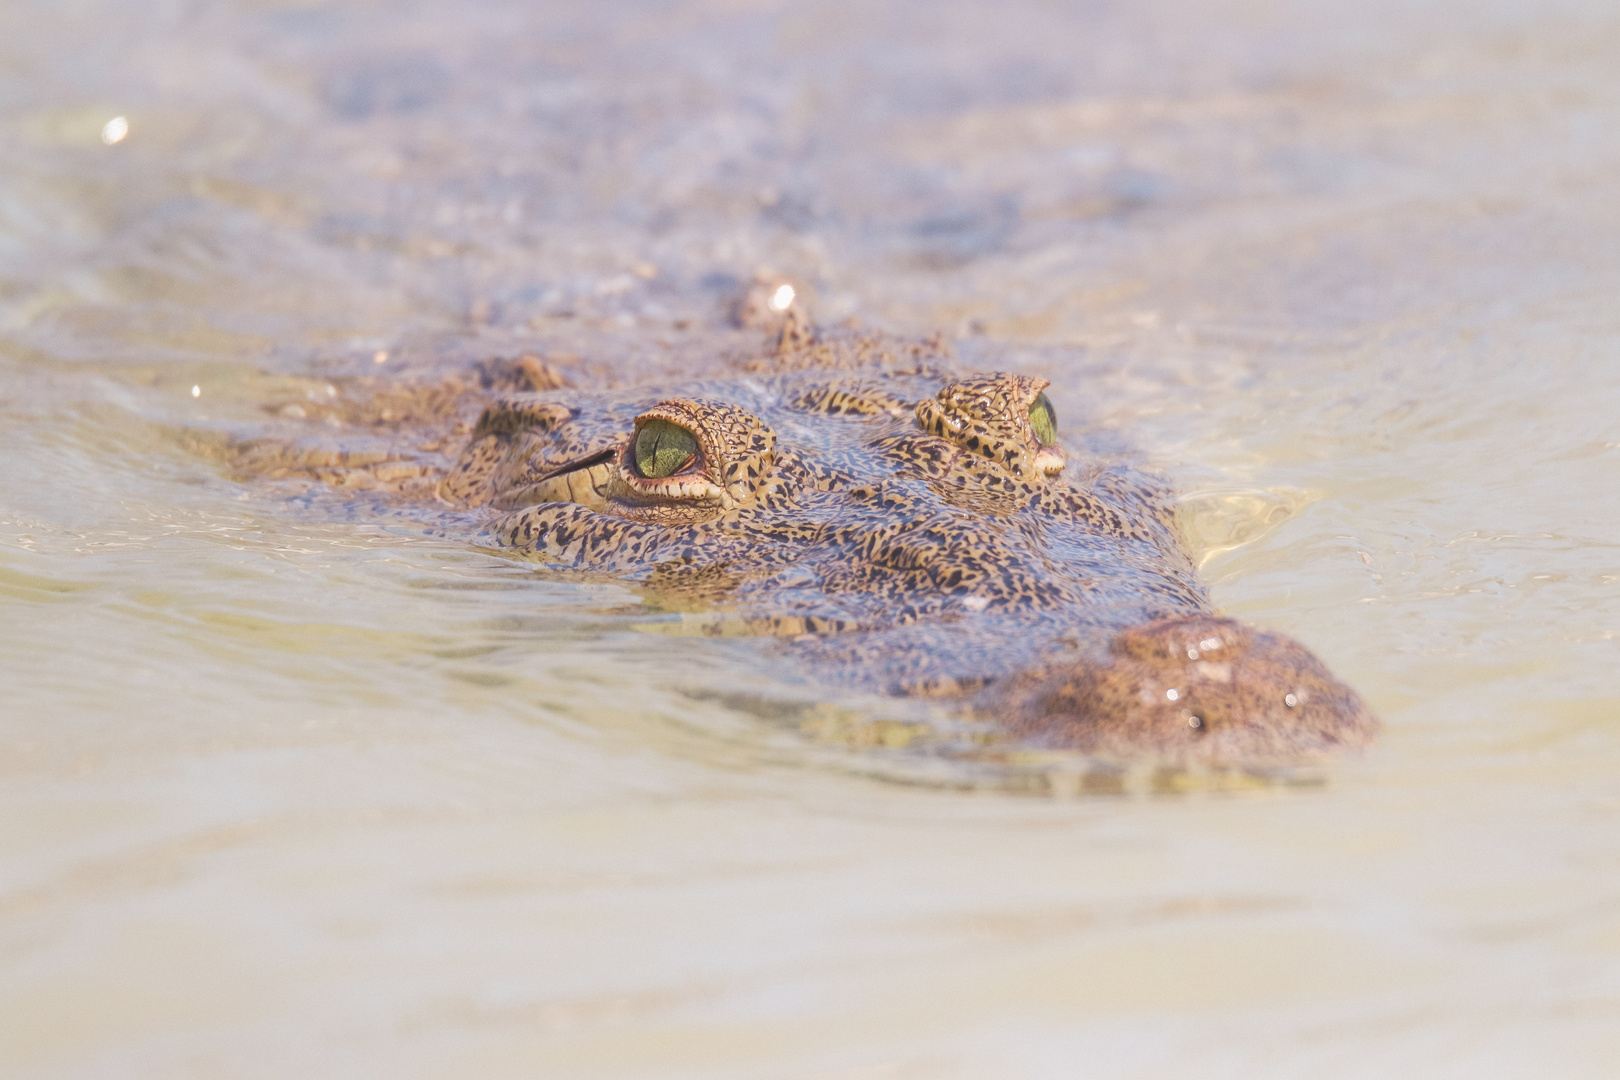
{"x": 663, "y": 449}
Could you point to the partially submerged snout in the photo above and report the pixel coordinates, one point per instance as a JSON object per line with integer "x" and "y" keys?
{"x": 1191, "y": 689}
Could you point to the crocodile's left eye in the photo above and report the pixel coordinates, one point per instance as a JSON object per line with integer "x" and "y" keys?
{"x": 664, "y": 449}
{"x": 687, "y": 460}
{"x": 1044, "y": 420}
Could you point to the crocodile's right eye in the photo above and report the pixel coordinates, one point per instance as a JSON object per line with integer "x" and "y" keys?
{"x": 1044, "y": 420}
{"x": 1003, "y": 417}
{"x": 664, "y": 449}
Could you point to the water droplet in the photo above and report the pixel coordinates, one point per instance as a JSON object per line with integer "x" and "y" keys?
{"x": 1210, "y": 643}
{"x": 196, "y": 391}
{"x": 782, "y": 299}
{"x": 1192, "y": 654}
{"x": 1195, "y": 722}
{"x": 1290, "y": 700}
{"x": 115, "y": 130}
{"x": 380, "y": 356}
{"x": 1173, "y": 694}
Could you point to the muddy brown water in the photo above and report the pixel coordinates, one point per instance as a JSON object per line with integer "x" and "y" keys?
{"x": 288, "y": 793}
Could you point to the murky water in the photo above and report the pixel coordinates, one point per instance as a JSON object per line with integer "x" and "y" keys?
{"x": 282, "y": 794}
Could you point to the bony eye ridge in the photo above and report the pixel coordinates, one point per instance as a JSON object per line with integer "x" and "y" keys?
{"x": 663, "y": 449}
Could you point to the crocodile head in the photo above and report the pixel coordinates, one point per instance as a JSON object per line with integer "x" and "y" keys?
{"x": 908, "y": 530}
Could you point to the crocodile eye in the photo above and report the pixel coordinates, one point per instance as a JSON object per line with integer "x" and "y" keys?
{"x": 1043, "y": 420}
{"x": 664, "y": 449}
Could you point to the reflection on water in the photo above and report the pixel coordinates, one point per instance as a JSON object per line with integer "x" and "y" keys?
{"x": 1216, "y": 522}
{"x": 294, "y": 787}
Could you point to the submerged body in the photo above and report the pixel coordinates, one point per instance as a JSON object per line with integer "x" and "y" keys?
{"x": 907, "y": 529}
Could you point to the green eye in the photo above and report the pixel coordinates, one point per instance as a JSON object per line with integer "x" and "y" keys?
{"x": 1043, "y": 420}
{"x": 663, "y": 449}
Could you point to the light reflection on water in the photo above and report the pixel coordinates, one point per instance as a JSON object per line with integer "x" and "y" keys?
{"x": 289, "y": 789}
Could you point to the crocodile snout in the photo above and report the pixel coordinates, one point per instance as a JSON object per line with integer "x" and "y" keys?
{"x": 1191, "y": 689}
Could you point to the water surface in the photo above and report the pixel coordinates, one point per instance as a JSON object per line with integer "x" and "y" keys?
{"x": 285, "y": 792}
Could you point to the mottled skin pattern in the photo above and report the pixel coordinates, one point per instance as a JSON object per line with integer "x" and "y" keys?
{"x": 902, "y": 528}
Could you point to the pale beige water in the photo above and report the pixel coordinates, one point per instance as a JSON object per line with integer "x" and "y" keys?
{"x": 288, "y": 796}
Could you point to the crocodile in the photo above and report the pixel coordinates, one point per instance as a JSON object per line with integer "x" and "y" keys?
{"x": 891, "y": 523}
